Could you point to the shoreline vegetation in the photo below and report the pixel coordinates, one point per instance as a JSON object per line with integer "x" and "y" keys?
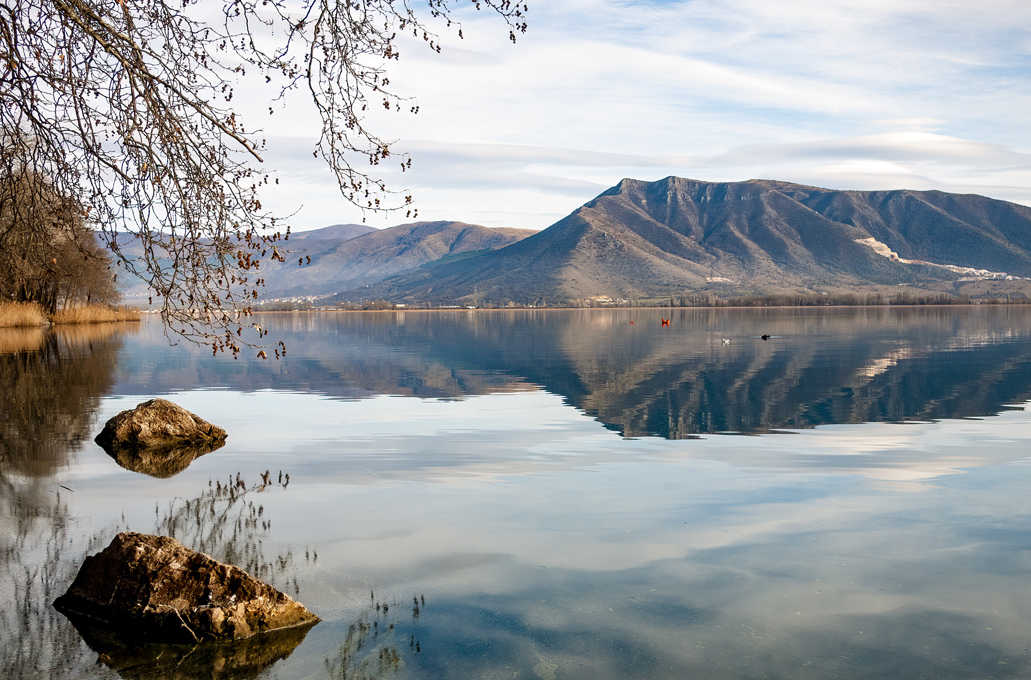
{"x": 30, "y": 314}
{"x": 697, "y": 301}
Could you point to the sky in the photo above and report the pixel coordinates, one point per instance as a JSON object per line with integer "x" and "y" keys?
{"x": 867, "y": 95}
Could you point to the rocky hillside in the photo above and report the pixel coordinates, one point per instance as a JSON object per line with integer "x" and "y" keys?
{"x": 760, "y": 236}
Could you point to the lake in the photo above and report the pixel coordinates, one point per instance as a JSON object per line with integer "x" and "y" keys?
{"x": 551, "y": 493}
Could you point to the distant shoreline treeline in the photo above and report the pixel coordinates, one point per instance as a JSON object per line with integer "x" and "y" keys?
{"x": 702, "y": 300}
{"x": 840, "y": 300}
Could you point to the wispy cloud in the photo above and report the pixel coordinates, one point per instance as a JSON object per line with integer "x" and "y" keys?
{"x": 833, "y": 93}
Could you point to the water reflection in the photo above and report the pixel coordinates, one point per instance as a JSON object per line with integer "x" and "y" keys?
{"x": 248, "y": 658}
{"x": 547, "y": 547}
{"x": 709, "y": 371}
{"x": 662, "y": 623}
{"x": 36, "y": 641}
{"x": 228, "y": 522}
{"x": 378, "y": 642}
{"x": 161, "y": 461}
{"x": 53, "y": 383}
{"x": 42, "y": 552}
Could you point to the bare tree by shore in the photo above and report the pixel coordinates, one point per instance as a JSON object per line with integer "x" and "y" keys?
{"x": 126, "y": 108}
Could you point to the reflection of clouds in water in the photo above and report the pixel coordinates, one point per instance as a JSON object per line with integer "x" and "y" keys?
{"x": 709, "y": 569}
{"x": 532, "y": 432}
{"x": 717, "y": 527}
{"x": 547, "y": 543}
{"x": 898, "y": 454}
{"x": 609, "y": 509}
{"x": 686, "y": 619}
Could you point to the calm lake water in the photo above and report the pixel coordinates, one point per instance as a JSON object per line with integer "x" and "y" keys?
{"x": 552, "y": 494}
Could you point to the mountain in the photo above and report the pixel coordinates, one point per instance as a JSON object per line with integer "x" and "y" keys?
{"x": 354, "y": 255}
{"x": 336, "y": 232}
{"x": 676, "y": 236}
{"x": 338, "y": 264}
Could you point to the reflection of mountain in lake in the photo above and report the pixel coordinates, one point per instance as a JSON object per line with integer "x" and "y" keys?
{"x": 709, "y": 371}
{"x": 347, "y": 356}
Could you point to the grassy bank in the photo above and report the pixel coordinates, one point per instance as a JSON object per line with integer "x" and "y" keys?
{"x": 28, "y": 314}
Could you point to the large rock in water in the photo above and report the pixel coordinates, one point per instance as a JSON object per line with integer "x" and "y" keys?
{"x": 156, "y": 589}
{"x": 157, "y": 423}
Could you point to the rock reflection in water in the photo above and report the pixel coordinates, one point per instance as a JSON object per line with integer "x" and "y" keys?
{"x": 41, "y": 552}
{"x": 228, "y": 523}
{"x": 161, "y": 461}
{"x": 246, "y": 658}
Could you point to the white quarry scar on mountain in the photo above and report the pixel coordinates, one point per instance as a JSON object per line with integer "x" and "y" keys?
{"x": 971, "y": 273}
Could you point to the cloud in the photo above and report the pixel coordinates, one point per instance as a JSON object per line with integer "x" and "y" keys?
{"x": 888, "y": 147}
{"x": 833, "y": 93}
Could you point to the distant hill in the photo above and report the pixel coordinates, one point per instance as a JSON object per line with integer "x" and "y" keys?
{"x": 336, "y": 232}
{"x": 760, "y": 236}
{"x": 341, "y": 262}
{"x": 347, "y": 256}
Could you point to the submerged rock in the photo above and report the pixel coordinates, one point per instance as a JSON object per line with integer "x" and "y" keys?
{"x": 156, "y": 589}
{"x": 157, "y": 423}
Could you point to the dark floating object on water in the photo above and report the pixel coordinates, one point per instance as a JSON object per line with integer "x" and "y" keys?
{"x": 159, "y": 438}
{"x": 765, "y": 337}
{"x": 154, "y": 589}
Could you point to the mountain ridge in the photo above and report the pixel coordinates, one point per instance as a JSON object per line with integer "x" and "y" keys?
{"x": 373, "y": 256}
{"x": 354, "y": 255}
{"x": 679, "y": 235}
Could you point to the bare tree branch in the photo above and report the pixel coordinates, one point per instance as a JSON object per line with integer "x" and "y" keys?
{"x": 125, "y": 108}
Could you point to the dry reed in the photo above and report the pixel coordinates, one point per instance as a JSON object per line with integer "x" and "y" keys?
{"x": 15, "y": 314}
